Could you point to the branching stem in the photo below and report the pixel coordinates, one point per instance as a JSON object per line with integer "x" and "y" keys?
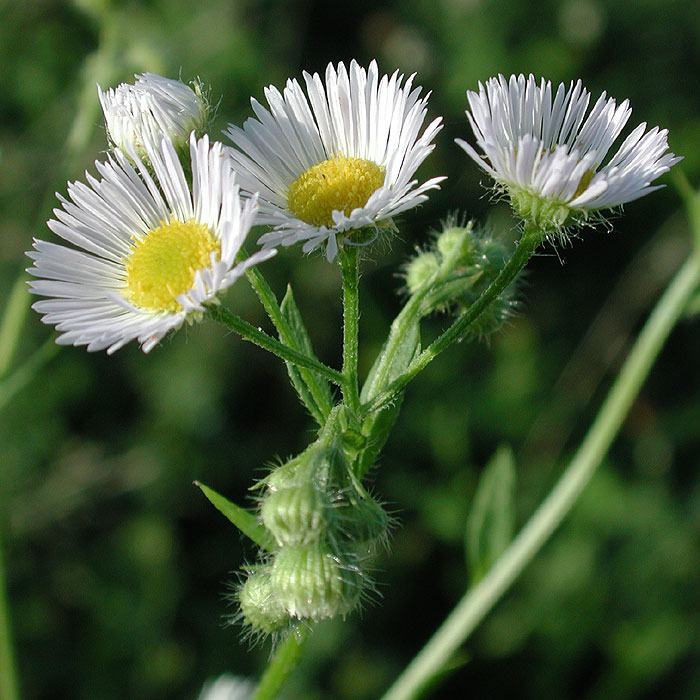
{"x": 524, "y": 251}
{"x": 479, "y": 600}
{"x": 267, "y": 342}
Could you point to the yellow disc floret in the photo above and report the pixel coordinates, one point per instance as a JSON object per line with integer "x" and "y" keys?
{"x": 162, "y": 265}
{"x": 339, "y": 183}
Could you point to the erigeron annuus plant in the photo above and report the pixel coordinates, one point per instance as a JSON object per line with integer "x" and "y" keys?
{"x": 160, "y": 236}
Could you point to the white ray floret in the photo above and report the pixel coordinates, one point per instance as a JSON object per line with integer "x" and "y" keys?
{"x": 550, "y": 156}
{"x": 149, "y": 252}
{"x": 337, "y": 158}
{"x": 152, "y": 106}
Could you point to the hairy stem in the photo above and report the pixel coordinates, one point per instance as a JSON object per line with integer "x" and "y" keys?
{"x": 284, "y": 661}
{"x": 479, "y": 600}
{"x": 525, "y": 250}
{"x": 351, "y": 317}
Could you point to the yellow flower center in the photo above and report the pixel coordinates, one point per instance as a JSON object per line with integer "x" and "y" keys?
{"x": 162, "y": 265}
{"x": 337, "y": 184}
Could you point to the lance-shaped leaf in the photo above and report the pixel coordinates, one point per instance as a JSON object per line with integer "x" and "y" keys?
{"x": 377, "y": 426}
{"x": 491, "y": 521}
{"x": 312, "y": 389}
{"x": 243, "y": 519}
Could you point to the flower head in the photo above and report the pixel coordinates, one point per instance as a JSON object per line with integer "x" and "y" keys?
{"x": 152, "y": 252}
{"x": 337, "y": 159}
{"x": 152, "y": 107}
{"x": 549, "y": 156}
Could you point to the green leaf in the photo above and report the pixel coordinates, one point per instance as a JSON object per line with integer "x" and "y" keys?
{"x": 402, "y": 358}
{"x": 313, "y": 390}
{"x": 244, "y": 520}
{"x": 377, "y": 426}
{"x": 491, "y": 521}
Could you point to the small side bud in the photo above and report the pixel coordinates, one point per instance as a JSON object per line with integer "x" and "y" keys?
{"x": 456, "y": 246}
{"x": 312, "y": 582}
{"x": 421, "y": 270}
{"x": 462, "y": 262}
{"x": 259, "y": 608}
{"x": 362, "y": 519}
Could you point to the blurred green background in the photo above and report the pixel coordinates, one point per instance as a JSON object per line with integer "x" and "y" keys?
{"x": 118, "y": 567}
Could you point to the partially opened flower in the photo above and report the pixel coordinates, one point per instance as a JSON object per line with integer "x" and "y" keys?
{"x": 338, "y": 161}
{"x": 549, "y": 156}
{"x": 151, "y": 252}
{"x": 153, "y": 106}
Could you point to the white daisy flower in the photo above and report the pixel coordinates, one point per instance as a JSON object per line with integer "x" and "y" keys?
{"x": 153, "y": 252}
{"x": 549, "y": 156}
{"x": 337, "y": 161}
{"x": 153, "y": 105}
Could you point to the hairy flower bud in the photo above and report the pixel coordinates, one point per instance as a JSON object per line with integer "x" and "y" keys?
{"x": 313, "y": 582}
{"x": 421, "y": 270}
{"x": 361, "y": 519}
{"x": 456, "y": 246}
{"x": 462, "y": 263}
{"x": 259, "y": 607}
{"x": 295, "y": 515}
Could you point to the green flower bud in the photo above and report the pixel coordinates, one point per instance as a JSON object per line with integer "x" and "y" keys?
{"x": 421, "y": 270}
{"x": 362, "y": 519}
{"x": 294, "y": 515}
{"x": 491, "y": 257}
{"x": 259, "y": 608}
{"x": 456, "y": 246}
{"x": 312, "y": 582}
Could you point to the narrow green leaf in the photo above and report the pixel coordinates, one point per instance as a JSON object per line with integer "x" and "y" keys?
{"x": 491, "y": 521}
{"x": 377, "y": 426}
{"x": 244, "y": 520}
{"x": 402, "y": 358}
{"x": 313, "y": 390}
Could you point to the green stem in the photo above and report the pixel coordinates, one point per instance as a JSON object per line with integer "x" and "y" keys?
{"x": 9, "y": 687}
{"x": 351, "y": 315}
{"x": 284, "y": 661}
{"x": 479, "y": 600}
{"x": 269, "y": 301}
{"x": 524, "y": 251}
{"x": 263, "y": 340}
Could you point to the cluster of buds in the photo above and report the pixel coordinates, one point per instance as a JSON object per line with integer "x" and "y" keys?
{"x": 325, "y": 526}
{"x": 455, "y": 269}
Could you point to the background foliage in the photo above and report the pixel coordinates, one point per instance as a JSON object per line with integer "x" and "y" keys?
{"x": 118, "y": 566}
